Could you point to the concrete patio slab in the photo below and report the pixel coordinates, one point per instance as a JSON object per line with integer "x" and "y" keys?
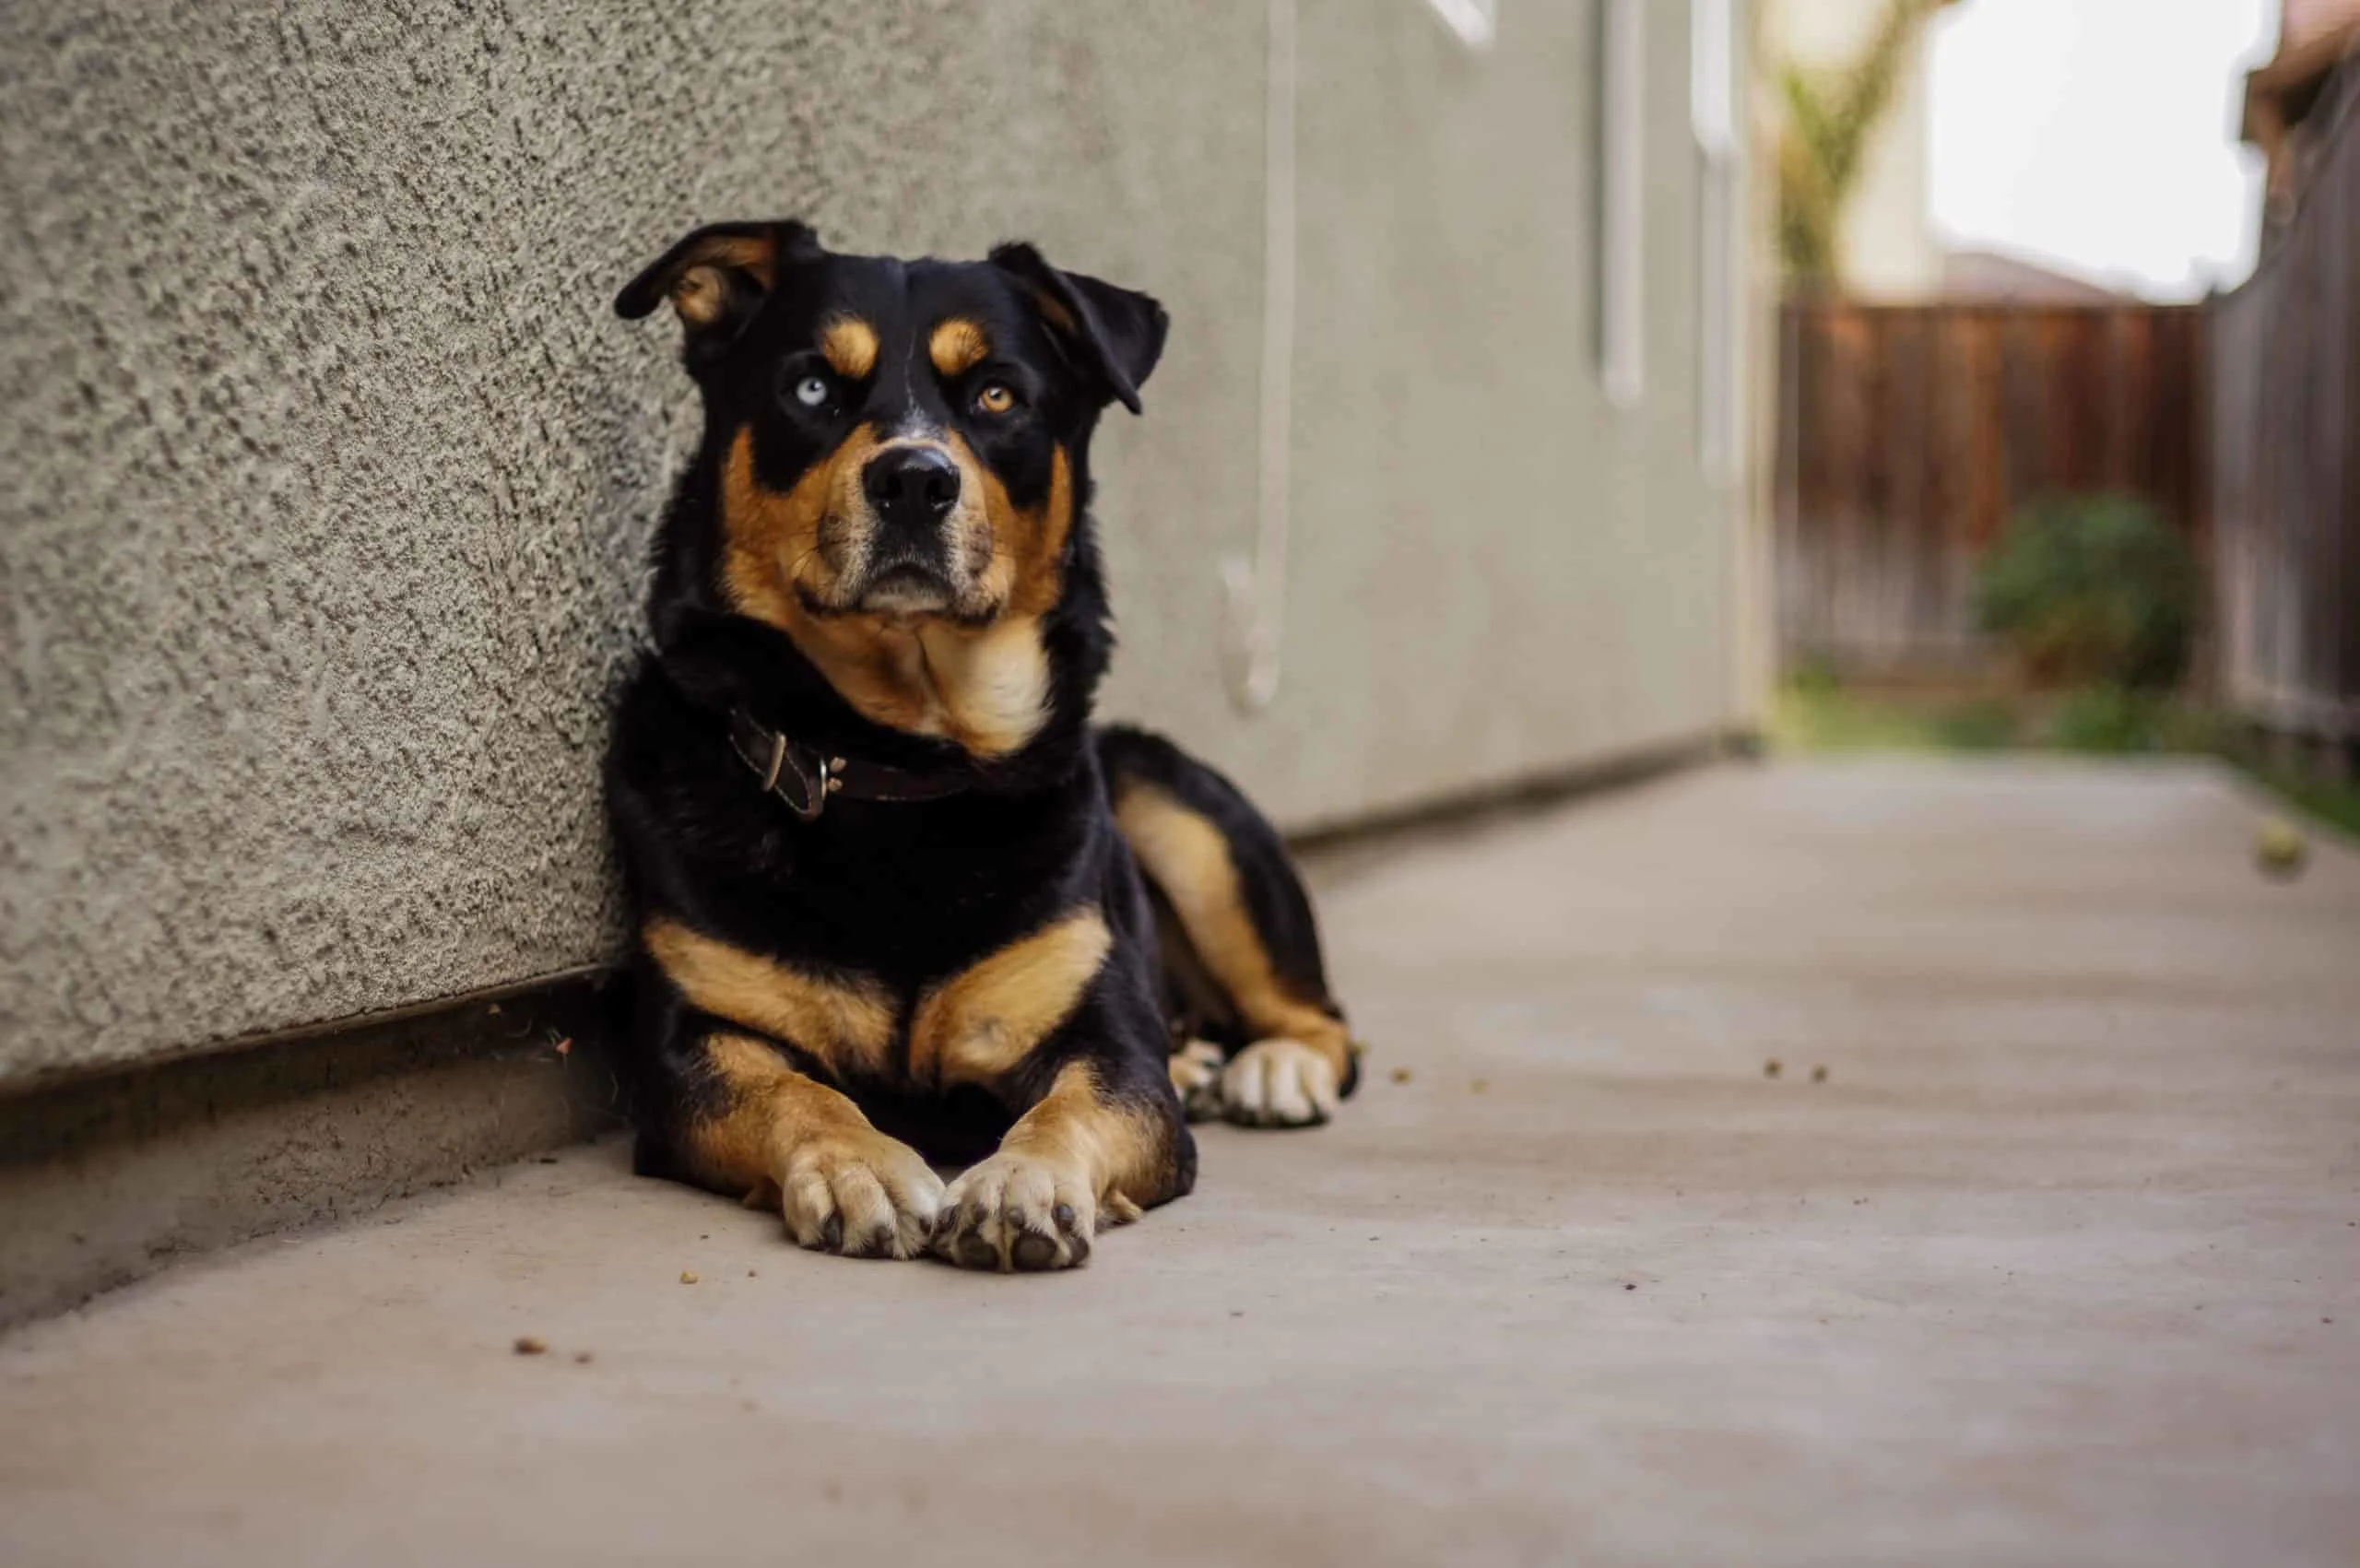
{"x": 2057, "y": 1266}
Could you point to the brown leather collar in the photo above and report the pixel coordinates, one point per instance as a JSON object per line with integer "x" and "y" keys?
{"x": 805, "y": 781}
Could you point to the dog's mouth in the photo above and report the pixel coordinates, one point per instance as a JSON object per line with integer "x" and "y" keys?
{"x": 905, "y": 588}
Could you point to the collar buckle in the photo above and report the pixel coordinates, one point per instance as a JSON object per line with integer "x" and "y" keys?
{"x": 776, "y": 758}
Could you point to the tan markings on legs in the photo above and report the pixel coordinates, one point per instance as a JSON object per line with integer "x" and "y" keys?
{"x": 1189, "y": 861}
{"x": 849, "y": 345}
{"x": 1195, "y": 1077}
{"x": 1036, "y": 1203}
{"x": 846, "y": 1025}
{"x": 982, "y": 1022}
{"x": 957, "y": 345}
{"x": 779, "y": 1137}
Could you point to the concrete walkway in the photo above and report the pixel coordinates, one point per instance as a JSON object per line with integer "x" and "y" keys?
{"x": 2043, "y": 1273}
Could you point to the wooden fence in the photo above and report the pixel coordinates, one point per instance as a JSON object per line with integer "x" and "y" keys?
{"x": 2285, "y": 424}
{"x": 1908, "y": 434}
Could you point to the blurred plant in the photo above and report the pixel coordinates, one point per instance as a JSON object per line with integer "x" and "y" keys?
{"x": 2093, "y": 591}
{"x": 1988, "y": 723}
{"x": 1815, "y": 674}
{"x": 1832, "y": 115}
{"x": 2104, "y": 719}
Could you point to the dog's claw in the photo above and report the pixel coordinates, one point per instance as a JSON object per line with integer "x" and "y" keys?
{"x": 1278, "y": 1083}
{"x": 1018, "y": 1211}
{"x": 859, "y": 1195}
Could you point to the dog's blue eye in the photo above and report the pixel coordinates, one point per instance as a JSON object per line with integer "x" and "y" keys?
{"x": 812, "y": 391}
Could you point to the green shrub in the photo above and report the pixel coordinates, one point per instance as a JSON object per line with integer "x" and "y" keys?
{"x": 2104, "y": 719}
{"x": 1985, "y": 724}
{"x": 2092, "y": 590}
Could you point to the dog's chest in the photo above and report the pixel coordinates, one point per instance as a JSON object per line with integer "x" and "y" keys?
{"x": 894, "y": 975}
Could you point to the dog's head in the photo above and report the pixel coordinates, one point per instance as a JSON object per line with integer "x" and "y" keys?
{"x": 899, "y": 444}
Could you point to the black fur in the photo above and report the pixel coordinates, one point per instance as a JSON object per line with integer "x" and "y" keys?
{"x": 903, "y": 893}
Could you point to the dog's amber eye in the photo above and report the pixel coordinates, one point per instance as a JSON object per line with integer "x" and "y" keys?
{"x": 995, "y": 399}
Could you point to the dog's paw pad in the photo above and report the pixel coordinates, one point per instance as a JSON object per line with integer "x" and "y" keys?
{"x": 1015, "y": 1212}
{"x": 1196, "y": 1076}
{"x": 1278, "y": 1083}
{"x": 862, "y": 1195}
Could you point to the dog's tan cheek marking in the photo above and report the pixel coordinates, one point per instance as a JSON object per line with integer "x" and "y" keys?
{"x": 769, "y": 537}
{"x": 1029, "y": 543}
{"x": 849, "y": 345}
{"x": 1189, "y": 860}
{"x": 977, "y": 528}
{"x": 766, "y": 1108}
{"x": 957, "y": 345}
{"x": 848, "y": 1026}
{"x": 976, "y": 1026}
{"x": 1122, "y": 1153}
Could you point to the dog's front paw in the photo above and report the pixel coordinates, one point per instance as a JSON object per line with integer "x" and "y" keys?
{"x": 1278, "y": 1083}
{"x": 1016, "y": 1211}
{"x": 1195, "y": 1077}
{"x": 861, "y": 1194}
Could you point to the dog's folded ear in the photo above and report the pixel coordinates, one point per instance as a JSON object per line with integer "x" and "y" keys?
{"x": 718, "y": 276}
{"x": 1115, "y": 335}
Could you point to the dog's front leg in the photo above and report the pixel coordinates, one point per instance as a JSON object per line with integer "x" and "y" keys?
{"x": 1102, "y": 1139}
{"x": 781, "y": 1138}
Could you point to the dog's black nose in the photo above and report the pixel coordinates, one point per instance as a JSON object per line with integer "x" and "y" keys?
{"x": 912, "y": 486}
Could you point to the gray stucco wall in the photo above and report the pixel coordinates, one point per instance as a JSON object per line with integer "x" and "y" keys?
{"x": 330, "y": 474}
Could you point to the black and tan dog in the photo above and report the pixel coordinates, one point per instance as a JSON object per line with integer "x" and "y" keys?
{"x": 886, "y": 873}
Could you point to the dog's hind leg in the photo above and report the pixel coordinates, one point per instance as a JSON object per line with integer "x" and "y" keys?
{"x": 1239, "y": 947}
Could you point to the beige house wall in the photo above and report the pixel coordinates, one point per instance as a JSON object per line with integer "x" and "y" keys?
{"x": 331, "y": 478}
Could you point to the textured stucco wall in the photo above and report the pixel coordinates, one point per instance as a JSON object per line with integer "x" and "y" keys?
{"x": 329, "y": 473}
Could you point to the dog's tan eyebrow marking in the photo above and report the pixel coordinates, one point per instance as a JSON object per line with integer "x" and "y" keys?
{"x": 841, "y": 1024}
{"x": 850, "y": 346}
{"x": 985, "y": 1019}
{"x": 957, "y": 345}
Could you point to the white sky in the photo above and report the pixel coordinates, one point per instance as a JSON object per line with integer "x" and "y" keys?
{"x": 2100, "y": 136}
